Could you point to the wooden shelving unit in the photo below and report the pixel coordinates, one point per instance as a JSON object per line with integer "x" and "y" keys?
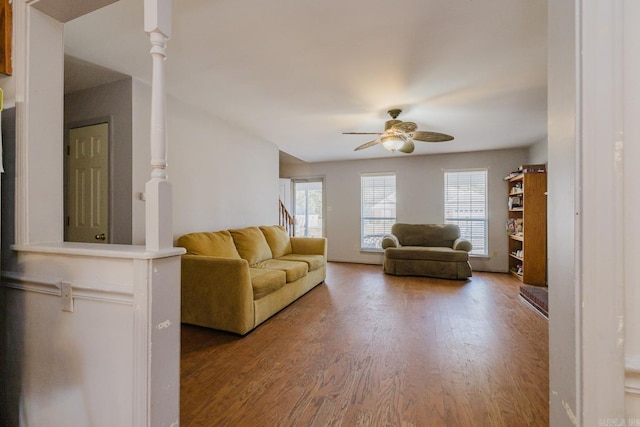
{"x": 528, "y": 214}
{"x": 6, "y": 24}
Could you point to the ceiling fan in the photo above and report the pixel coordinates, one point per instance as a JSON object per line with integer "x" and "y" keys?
{"x": 399, "y": 135}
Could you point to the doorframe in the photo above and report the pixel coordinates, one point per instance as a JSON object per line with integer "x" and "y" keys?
{"x": 320, "y": 179}
{"x": 65, "y": 173}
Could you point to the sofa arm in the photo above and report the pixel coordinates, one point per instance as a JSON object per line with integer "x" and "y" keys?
{"x": 309, "y": 246}
{"x": 461, "y": 244}
{"x": 216, "y": 292}
{"x": 390, "y": 241}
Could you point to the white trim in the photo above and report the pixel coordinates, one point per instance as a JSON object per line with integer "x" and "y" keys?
{"x": 599, "y": 225}
{"x": 321, "y": 180}
{"x": 378, "y": 173}
{"x": 98, "y": 250}
{"x": 486, "y": 218}
{"x": 103, "y": 292}
{"x": 362, "y": 218}
{"x": 21, "y": 73}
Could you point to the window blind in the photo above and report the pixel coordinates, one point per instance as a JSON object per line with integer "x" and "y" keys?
{"x": 378, "y": 208}
{"x": 465, "y": 204}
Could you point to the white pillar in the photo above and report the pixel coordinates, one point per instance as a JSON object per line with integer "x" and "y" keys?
{"x": 159, "y": 234}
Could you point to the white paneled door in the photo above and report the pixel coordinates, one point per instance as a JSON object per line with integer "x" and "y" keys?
{"x": 88, "y": 184}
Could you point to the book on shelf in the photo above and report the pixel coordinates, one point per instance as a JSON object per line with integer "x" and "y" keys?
{"x": 539, "y": 168}
{"x": 515, "y": 226}
{"x": 515, "y": 202}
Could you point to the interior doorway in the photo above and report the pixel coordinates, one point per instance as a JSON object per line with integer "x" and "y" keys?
{"x": 308, "y": 207}
{"x": 87, "y": 186}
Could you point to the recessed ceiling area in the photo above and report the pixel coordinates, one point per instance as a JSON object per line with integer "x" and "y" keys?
{"x": 80, "y": 75}
{"x": 299, "y": 74}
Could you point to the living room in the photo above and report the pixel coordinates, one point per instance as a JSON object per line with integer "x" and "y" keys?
{"x": 225, "y": 173}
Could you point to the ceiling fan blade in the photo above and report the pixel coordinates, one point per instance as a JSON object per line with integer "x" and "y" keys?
{"x": 408, "y": 147}
{"x": 362, "y": 133}
{"x": 367, "y": 144}
{"x": 404, "y": 127}
{"x": 390, "y": 123}
{"x": 431, "y": 136}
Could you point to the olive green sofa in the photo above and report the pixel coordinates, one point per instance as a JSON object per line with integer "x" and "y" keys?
{"x": 233, "y": 280}
{"x": 431, "y": 250}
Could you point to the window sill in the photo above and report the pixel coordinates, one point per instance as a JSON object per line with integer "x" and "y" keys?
{"x": 372, "y": 250}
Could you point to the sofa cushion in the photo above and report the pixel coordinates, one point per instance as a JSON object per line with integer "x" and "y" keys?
{"x": 264, "y": 281}
{"x": 217, "y": 243}
{"x": 426, "y": 234}
{"x": 293, "y": 269}
{"x": 313, "y": 261}
{"x": 426, "y": 253}
{"x": 278, "y": 240}
{"x": 251, "y": 244}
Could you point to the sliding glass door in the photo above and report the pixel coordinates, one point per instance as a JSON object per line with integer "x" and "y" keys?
{"x": 308, "y": 207}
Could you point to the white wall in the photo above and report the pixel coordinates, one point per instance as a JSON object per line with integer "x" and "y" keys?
{"x": 632, "y": 207}
{"x": 42, "y": 205}
{"x": 420, "y": 197}
{"x": 539, "y": 153}
{"x": 561, "y": 213}
{"x": 221, "y": 177}
{"x": 140, "y": 156}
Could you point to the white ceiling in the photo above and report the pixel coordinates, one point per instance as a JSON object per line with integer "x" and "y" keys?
{"x": 298, "y": 73}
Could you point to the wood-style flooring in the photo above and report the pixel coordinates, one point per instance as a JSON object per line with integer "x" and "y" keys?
{"x": 369, "y": 349}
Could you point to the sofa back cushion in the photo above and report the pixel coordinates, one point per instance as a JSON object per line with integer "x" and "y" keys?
{"x": 251, "y": 244}
{"x": 426, "y": 234}
{"x": 218, "y": 243}
{"x": 278, "y": 240}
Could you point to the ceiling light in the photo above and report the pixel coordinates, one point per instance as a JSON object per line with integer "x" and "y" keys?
{"x": 392, "y": 142}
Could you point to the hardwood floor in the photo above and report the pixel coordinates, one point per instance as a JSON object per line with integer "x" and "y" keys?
{"x": 368, "y": 349}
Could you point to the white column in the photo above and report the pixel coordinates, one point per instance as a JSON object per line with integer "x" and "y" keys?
{"x": 159, "y": 234}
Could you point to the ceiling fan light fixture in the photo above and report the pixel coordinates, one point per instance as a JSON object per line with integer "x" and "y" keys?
{"x": 392, "y": 142}
{"x": 400, "y": 136}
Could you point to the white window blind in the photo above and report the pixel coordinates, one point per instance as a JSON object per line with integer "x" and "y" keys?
{"x": 378, "y": 208}
{"x": 465, "y": 204}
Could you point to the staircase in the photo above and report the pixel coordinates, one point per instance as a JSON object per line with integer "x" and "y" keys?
{"x": 286, "y": 220}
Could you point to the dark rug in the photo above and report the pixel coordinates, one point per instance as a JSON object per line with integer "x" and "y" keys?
{"x": 537, "y": 296}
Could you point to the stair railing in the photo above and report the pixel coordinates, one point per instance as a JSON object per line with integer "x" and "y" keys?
{"x": 286, "y": 220}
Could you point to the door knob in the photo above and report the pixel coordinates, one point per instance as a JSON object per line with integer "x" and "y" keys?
{"x": 101, "y": 236}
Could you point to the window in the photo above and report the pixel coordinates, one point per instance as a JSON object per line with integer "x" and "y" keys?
{"x": 465, "y": 204}
{"x": 378, "y": 209}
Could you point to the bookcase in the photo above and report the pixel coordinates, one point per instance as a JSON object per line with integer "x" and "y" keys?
{"x": 527, "y": 227}
{"x": 6, "y": 25}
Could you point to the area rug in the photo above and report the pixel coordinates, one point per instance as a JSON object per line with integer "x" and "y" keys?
{"x": 537, "y": 296}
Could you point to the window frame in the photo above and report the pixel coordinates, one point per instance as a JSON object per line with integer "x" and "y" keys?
{"x": 456, "y": 220}
{"x": 389, "y": 219}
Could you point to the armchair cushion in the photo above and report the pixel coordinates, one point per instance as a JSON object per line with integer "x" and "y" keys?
{"x": 426, "y": 253}
{"x": 426, "y": 234}
{"x": 461, "y": 244}
{"x": 390, "y": 241}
